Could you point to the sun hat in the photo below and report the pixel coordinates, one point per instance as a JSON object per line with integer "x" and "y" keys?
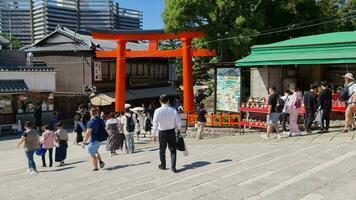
{"x": 349, "y": 76}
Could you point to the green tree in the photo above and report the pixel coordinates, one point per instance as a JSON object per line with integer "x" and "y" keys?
{"x": 233, "y": 26}
{"x": 15, "y": 43}
{"x": 348, "y": 10}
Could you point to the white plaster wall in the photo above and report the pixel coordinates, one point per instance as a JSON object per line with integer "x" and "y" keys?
{"x": 35, "y": 81}
{"x": 259, "y": 82}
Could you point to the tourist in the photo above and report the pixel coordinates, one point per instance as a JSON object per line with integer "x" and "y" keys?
{"x": 30, "y": 138}
{"x": 62, "y": 144}
{"x": 38, "y": 116}
{"x": 139, "y": 124}
{"x": 350, "y": 87}
{"x": 47, "y": 141}
{"x": 201, "y": 120}
{"x": 78, "y": 129}
{"x": 94, "y": 126}
{"x": 325, "y": 102}
{"x": 148, "y": 124}
{"x": 166, "y": 123}
{"x": 293, "y": 106}
{"x": 285, "y": 114}
{"x": 273, "y": 115}
{"x": 310, "y": 106}
{"x": 113, "y": 141}
{"x": 119, "y": 117}
{"x": 129, "y": 123}
{"x": 54, "y": 120}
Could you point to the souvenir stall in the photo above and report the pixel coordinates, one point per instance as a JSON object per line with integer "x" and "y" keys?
{"x": 302, "y": 61}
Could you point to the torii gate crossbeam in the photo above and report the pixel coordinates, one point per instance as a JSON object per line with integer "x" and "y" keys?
{"x": 154, "y": 36}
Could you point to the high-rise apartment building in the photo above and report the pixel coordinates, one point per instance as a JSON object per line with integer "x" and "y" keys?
{"x": 31, "y": 20}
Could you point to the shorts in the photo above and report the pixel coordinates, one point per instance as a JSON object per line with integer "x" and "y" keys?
{"x": 349, "y": 108}
{"x": 272, "y": 119}
{"x": 93, "y": 147}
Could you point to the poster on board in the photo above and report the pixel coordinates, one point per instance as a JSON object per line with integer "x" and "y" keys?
{"x": 228, "y": 89}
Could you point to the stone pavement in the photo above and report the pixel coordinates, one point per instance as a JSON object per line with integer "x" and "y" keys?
{"x": 232, "y": 167}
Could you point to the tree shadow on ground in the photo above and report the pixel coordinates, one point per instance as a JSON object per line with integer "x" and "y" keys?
{"x": 124, "y": 166}
{"x": 193, "y": 165}
{"x": 57, "y": 170}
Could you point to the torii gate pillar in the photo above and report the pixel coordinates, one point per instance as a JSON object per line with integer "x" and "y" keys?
{"x": 188, "y": 96}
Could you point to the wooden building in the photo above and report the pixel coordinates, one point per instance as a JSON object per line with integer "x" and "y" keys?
{"x": 73, "y": 55}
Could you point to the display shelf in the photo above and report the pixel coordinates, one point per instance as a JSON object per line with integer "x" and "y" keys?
{"x": 254, "y": 110}
{"x": 252, "y": 125}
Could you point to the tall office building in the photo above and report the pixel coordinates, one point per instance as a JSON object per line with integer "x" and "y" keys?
{"x": 34, "y": 19}
{"x": 15, "y": 19}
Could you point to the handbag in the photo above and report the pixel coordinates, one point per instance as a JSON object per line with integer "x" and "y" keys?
{"x": 180, "y": 143}
{"x": 41, "y": 151}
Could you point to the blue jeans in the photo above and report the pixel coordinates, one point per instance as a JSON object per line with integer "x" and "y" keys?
{"x": 129, "y": 139}
{"x": 31, "y": 161}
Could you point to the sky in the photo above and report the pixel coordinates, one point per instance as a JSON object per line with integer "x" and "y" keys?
{"x": 152, "y": 10}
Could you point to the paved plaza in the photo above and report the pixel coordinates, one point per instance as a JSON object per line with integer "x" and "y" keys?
{"x": 232, "y": 167}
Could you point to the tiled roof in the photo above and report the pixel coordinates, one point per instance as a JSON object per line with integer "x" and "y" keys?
{"x": 35, "y": 67}
{"x": 10, "y": 86}
{"x": 83, "y": 43}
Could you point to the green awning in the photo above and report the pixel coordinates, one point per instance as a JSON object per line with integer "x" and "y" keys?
{"x": 332, "y": 48}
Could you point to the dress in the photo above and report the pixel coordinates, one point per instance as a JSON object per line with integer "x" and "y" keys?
{"x": 61, "y": 150}
{"x": 113, "y": 142}
{"x": 293, "y": 111}
{"x": 79, "y": 128}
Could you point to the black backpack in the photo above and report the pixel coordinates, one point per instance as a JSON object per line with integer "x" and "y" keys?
{"x": 130, "y": 125}
{"x": 344, "y": 94}
{"x": 280, "y": 105}
{"x": 148, "y": 123}
{"x": 102, "y": 134}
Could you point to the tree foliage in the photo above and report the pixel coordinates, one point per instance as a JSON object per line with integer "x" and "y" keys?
{"x": 233, "y": 26}
{"x": 15, "y": 43}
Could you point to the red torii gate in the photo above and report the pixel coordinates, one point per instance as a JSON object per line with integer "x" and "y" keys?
{"x": 153, "y": 36}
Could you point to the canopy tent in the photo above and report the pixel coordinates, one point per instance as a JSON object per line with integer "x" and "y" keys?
{"x": 330, "y": 48}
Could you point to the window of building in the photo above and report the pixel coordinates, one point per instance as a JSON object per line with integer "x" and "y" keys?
{"x": 133, "y": 69}
{"x": 5, "y": 104}
{"x": 128, "y": 69}
{"x": 112, "y": 70}
{"x": 97, "y": 71}
{"x": 161, "y": 71}
{"x": 146, "y": 69}
{"x": 105, "y": 71}
{"x": 140, "y": 71}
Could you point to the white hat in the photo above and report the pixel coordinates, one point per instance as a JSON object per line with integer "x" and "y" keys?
{"x": 349, "y": 76}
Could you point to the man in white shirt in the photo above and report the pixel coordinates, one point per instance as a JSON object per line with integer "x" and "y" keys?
{"x": 350, "y": 84}
{"x": 166, "y": 122}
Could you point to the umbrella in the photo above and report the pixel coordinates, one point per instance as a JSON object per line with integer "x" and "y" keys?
{"x": 138, "y": 109}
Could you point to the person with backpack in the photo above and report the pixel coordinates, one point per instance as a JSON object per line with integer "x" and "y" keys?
{"x": 148, "y": 124}
{"x": 47, "y": 141}
{"x": 325, "y": 103}
{"x": 95, "y": 130}
{"x": 348, "y": 95}
{"x": 129, "y": 123}
{"x": 293, "y": 108}
{"x": 310, "y": 105}
{"x": 273, "y": 114}
{"x": 285, "y": 114}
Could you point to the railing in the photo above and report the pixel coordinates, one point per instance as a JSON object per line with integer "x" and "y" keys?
{"x": 217, "y": 120}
